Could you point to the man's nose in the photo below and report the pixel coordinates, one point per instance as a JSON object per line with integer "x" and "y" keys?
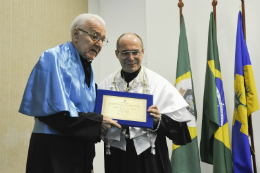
{"x": 99, "y": 43}
{"x": 131, "y": 56}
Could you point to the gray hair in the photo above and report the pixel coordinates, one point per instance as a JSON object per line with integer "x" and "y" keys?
{"x": 81, "y": 20}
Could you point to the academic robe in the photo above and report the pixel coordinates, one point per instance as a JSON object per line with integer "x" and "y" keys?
{"x": 64, "y": 133}
{"x": 71, "y": 153}
{"x": 128, "y": 160}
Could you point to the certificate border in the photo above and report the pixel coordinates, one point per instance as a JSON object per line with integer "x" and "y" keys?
{"x": 149, "y": 98}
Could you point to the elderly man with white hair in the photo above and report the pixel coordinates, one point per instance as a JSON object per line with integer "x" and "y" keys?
{"x": 60, "y": 95}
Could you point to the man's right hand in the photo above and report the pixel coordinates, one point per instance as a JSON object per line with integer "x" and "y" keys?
{"x": 108, "y": 123}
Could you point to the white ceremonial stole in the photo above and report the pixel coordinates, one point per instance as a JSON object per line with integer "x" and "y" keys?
{"x": 165, "y": 97}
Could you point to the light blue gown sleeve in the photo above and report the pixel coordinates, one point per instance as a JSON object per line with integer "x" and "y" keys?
{"x": 46, "y": 92}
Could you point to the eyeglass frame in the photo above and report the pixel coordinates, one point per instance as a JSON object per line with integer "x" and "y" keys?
{"x": 95, "y": 36}
{"x": 130, "y": 51}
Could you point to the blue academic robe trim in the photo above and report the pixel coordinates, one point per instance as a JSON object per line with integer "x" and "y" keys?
{"x": 57, "y": 83}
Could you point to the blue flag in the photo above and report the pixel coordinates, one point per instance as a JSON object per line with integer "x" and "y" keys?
{"x": 246, "y": 102}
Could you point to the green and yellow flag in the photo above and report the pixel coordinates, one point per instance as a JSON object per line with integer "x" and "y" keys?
{"x": 185, "y": 158}
{"x": 215, "y": 142}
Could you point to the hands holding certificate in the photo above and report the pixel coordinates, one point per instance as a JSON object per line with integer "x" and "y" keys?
{"x": 107, "y": 123}
{"x": 155, "y": 113}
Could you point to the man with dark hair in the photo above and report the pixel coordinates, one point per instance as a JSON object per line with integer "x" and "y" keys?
{"x": 142, "y": 150}
{"x": 61, "y": 94}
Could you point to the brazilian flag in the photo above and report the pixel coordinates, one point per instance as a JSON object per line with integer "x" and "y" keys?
{"x": 185, "y": 158}
{"x": 246, "y": 102}
{"x": 215, "y": 143}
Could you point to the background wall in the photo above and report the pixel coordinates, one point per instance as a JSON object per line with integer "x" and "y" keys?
{"x": 157, "y": 22}
{"x": 27, "y": 28}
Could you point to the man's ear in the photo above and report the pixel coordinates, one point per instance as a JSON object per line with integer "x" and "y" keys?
{"x": 116, "y": 52}
{"x": 143, "y": 51}
{"x": 75, "y": 35}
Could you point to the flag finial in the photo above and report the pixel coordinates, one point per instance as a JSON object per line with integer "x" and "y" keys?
{"x": 215, "y": 2}
{"x": 180, "y": 4}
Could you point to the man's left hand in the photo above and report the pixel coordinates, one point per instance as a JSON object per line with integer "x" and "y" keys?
{"x": 155, "y": 113}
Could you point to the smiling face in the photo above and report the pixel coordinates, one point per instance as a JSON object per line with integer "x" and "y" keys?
{"x": 86, "y": 47}
{"x": 130, "y": 42}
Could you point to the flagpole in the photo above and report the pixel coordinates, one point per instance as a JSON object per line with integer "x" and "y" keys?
{"x": 180, "y": 5}
{"x": 252, "y": 142}
{"x": 250, "y": 117}
{"x": 243, "y": 19}
{"x": 214, "y": 4}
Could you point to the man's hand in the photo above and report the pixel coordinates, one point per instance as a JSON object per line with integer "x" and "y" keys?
{"x": 108, "y": 123}
{"x": 155, "y": 113}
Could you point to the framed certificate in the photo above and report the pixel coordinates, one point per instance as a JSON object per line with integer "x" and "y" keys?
{"x": 129, "y": 109}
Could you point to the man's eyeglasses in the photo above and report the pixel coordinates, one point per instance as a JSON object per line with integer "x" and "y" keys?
{"x": 126, "y": 54}
{"x": 96, "y": 37}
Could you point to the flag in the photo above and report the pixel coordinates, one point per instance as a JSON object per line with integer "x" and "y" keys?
{"x": 246, "y": 102}
{"x": 215, "y": 143}
{"x": 185, "y": 158}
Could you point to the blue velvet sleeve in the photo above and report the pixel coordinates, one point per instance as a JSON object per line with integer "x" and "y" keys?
{"x": 46, "y": 92}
